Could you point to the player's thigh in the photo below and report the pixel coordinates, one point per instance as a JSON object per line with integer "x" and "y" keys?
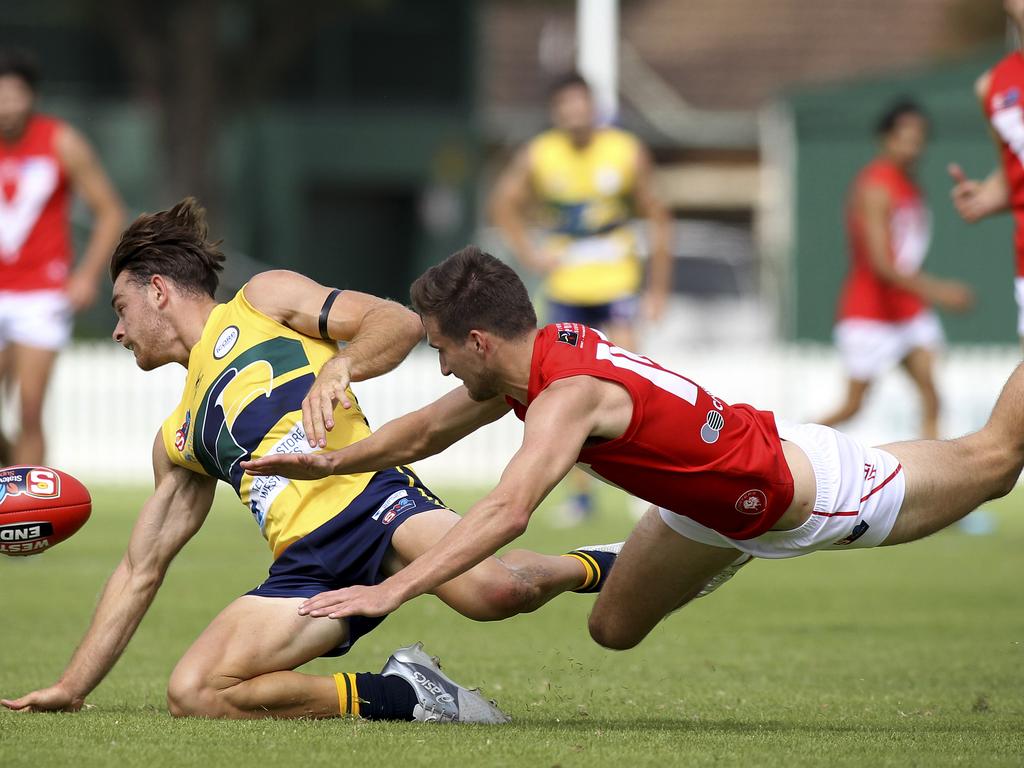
{"x": 32, "y": 367}
{"x": 945, "y": 480}
{"x": 253, "y": 636}
{"x": 655, "y": 572}
{"x": 478, "y": 593}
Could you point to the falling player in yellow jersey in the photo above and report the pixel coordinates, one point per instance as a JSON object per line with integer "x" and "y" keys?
{"x": 263, "y": 369}
{"x": 589, "y": 182}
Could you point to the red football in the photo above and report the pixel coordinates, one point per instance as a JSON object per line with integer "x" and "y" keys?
{"x": 39, "y": 508}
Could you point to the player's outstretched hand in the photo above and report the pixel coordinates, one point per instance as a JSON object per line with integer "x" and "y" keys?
{"x": 297, "y": 466}
{"x": 954, "y": 296}
{"x": 329, "y": 389}
{"x": 968, "y": 195}
{"x": 352, "y": 601}
{"x": 56, "y": 698}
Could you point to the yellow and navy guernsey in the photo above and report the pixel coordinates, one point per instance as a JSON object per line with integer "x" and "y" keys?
{"x": 587, "y": 197}
{"x": 243, "y": 395}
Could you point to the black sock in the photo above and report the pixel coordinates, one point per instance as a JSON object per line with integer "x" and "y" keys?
{"x": 384, "y": 698}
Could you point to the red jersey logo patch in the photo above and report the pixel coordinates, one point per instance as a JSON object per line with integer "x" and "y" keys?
{"x": 752, "y": 502}
{"x": 570, "y": 333}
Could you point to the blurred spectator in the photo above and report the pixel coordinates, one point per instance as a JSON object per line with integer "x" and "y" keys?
{"x": 884, "y": 313}
{"x": 589, "y": 181}
{"x": 1000, "y": 92}
{"x": 42, "y": 160}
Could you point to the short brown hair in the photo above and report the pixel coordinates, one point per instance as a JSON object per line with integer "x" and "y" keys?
{"x": 472, "y": 290}
{"x": 173, "y": 244}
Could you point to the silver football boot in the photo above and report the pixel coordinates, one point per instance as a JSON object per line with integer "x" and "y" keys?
{"x": 724, "y": 575}
{"x": 441, "y": 699}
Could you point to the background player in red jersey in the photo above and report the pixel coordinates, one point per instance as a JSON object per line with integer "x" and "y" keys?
{"x": 42, "y": 160}
{"x": 884, "y": 316}
{"x": 726, "y": 481}
{"x": 1001, "y": 93}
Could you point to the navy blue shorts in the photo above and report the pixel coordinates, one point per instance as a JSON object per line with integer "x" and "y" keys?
{"x": 349, "y": 549}
{"x": 622, "y": 310}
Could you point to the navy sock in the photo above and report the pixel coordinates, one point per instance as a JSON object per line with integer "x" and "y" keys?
{"x": 384, "y": 698}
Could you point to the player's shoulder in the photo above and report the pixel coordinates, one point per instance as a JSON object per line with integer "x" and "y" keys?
{"x": 267, "y": 292}
{"x": 878, "y": 173}
{"x": 616, "y": 135}
{"x": 546, "y": 144}
{"x": 983, "y": 84}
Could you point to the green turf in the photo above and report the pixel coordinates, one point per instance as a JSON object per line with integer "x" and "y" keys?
{"x": 904, "y": 656}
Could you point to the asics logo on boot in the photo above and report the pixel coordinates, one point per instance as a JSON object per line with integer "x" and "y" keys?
{"x": 433, "y": 688}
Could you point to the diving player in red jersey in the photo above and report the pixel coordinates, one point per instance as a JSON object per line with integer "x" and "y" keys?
{"x": 726, "y": 482}
{"x": 884, "y": 316}
{"x": 1001, "y": 93}
{"x": 42, "y": 161}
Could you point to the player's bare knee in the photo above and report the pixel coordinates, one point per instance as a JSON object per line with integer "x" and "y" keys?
{"x": 611, "y": 634}
{"x": 189, "y": 695}
{"x": 509, "y": 597}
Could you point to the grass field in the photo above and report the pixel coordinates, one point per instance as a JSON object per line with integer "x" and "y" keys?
{"x": 904, "y": 656}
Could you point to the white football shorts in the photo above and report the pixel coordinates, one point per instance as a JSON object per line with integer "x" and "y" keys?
{"x": 1018, "y": 293}
{"x": 869, "y": 348}
{"x": 40, "y": 319}
{"x": 860, "y": 492}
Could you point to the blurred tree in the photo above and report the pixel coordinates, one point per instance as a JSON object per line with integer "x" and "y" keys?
{"x": 196, "y": 62}
{"x": 972, "y": 23}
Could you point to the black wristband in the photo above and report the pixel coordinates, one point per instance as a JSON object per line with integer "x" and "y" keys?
{"x": 328, "y": 303}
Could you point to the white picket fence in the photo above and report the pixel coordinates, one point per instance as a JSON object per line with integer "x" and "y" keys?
{"x": 103, "y": 412}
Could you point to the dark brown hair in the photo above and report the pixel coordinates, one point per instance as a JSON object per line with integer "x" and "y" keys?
{"x": 571, "y": 79}
{"x": 898, "y": 109}
{"x": 173, "y": 244}
{"x": 20, "y": 64}
{"x": 472, "y": 290}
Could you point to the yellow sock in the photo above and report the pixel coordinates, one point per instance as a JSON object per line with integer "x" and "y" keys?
{"x": 590, "y": 566}
{"x": 348, "y": 696}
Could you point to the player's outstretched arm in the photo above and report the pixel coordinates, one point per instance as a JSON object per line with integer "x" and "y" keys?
{"x": 557, "y": 424}
{"x": 974, "y": 200}
{"x": 379, "y": 334}
{"x": 170, "y": 517}
{"x": 406, "y": 439}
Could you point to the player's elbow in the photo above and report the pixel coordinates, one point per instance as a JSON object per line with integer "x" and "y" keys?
{"x": 411, "y": 326}
{"x": 514, "y": 519}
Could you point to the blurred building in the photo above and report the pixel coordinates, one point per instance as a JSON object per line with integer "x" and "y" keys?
{"x": 353, "y": 139}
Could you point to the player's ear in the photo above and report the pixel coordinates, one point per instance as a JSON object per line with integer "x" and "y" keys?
{"x": 478, "y": 340}
{"x": 158, "y": 289}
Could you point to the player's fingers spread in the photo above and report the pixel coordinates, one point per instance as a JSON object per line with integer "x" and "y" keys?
{"x": 956, "y": 172}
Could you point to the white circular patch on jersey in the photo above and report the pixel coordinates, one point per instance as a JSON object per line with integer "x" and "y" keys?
{"x": 709, "y": 435}
{"x": 608, "y": 181}
{"x": 226, "y": 341}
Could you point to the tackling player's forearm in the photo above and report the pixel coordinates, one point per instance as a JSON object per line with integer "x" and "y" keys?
{"x": 125, "y": 600}
{"x": 489, "y": 525}
{"x": 401, "y": 441}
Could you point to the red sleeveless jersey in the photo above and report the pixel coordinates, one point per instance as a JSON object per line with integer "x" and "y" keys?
{"x": 35, "y": 241}
{"x": 1005, "y": 109}
{"x": 865, "y": 294}
{"x": 684, "y": 450}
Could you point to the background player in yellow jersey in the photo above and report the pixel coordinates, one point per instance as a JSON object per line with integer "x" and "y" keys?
{"x": 261, "y": 367}
{"x": 588, "y": 182}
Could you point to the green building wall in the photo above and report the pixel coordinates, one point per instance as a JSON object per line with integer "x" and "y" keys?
{"x": 834, "y": 135}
